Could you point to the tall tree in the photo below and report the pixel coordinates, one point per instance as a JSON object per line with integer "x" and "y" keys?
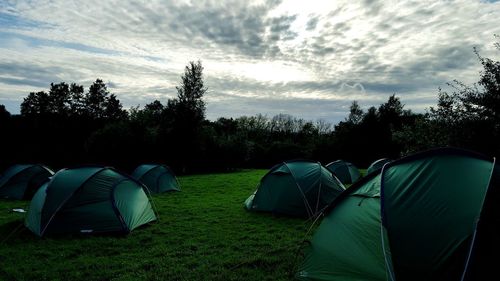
{"x": 4, "y": 113}
{"x": 95, "y": 99}
{"x": 355, "y": 113}
{"x": 98, "y": 103}
{"x": 391, "y": 112}
{"x": 184, "y": 116}
{"x": 469, "y": 116}
{"x": 323, "y": 127}
{"x": 36, "y": 103}
{"x": 483, "y": 99}
{"x": 60, "y": 99}
{"x": 190, "y": 93}
{"x": 113, "y": 109}
{"x": 155, "y": 108}
{"x": 77, "y": 96}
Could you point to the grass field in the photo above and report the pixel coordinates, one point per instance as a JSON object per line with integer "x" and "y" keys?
{"x": 203, "y": 234}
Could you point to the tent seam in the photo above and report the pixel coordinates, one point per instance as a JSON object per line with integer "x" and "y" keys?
{"x": 308, "y": 207}
{"x": 388, "y": 266}
{"x": 66, "y": 200}
{"x": 147, "y": 172}
{"x": 10, "y": 178}
{"x": 471, "y": 248}
{"x": 319, "y": 189}
{"x": 126, "y": 228}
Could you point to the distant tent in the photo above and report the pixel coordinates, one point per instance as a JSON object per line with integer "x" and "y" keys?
{"x": 158, "y": 178}
{"x": 346, "y": 172}
{"x": 377, "y": 164}
{"x": 22, "y": 181}
{"x": 89, "y": 199}
{"x": 414, "y": 220}
{"x": 296, "y": 188}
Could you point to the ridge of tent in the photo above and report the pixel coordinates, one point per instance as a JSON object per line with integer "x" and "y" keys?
{"x": 126, "y": 228}
{"x": 422, "y": 155}
{"x": 145, "y": 188}
{"x": 319, "y": 188}
{"x": 150, "y": 169}
{"x": 157, "y": 184}
{"x": 138, "y": 173}
{"x": 436, "y": 152}
{"x": 387, "y": 256}
{"x": 348, "y": 191}
{"x": 471, "y": 249}
{"x": 167, "y": 172}
{"x": 306, "y": 203}
{"x": 23, "y": 168}
{"x": 69, "y": 195}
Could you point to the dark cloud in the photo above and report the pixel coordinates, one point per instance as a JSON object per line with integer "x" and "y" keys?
{"x": 284, "y": 91}
{"x": 35, "y": 42}
{"x": 372, "y": 7}
{"x": 280, "y": 28}
{"x": 31, "y": 74}
{"x": 240, "y": 97}
{"x": 205, "y": 24}
{"x": 228, "y": 25}
{"x": 406, "y": 88}
{"x": 22, "y": 81}
{"x": 330, "y": 110}
{"x": 312, "y": 23}
{"x": 341, "y": 27}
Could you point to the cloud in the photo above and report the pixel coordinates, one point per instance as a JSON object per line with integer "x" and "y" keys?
{"x": 37, "y": 74}
{"x": 312, "y": 23}
{"x": 307, "y": 58}
{"x": 309, "y": 109}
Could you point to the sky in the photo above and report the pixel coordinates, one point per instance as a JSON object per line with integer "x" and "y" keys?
{"x": 309, "y": 59}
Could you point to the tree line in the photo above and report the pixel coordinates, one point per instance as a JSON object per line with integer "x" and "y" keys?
{"x": 68, "y": 126}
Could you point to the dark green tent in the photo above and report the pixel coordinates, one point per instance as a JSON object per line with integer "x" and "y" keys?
{"x": 158, "y": 178}
{"x": 346, "y": 172}
{"x": 89, "y": 200}
{"x": 297, "y": 188}
{"x": 377, "y": 164}
{"x": 22, "y": 181}
{"x": 414, "y": 220}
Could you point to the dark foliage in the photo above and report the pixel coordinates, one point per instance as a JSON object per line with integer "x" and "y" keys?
{"x": 467, "y": 117}
{"x": 67, "y": 126}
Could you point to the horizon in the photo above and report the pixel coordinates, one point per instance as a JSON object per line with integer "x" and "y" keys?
{"x": 265, "y": 57}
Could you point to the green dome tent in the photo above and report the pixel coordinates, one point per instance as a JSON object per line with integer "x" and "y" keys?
{"x": 414, "y": 220}
{"x": 296, "y": 188}
{"x": 89, "y": 199}
{"x": 22, "y": 181}
{"x": 377, "y": 164}
{"x": 346, "y": 172}
{"x": 158, "y": 178}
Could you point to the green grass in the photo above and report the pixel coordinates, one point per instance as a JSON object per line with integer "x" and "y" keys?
{"x": 203, "y": 233}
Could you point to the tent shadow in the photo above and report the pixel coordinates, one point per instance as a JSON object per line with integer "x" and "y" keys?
{"x": 16, "y": 233}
